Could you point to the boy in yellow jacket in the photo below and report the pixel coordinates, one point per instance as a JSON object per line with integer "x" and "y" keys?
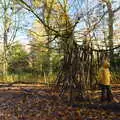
{"x": 104, "y": 81}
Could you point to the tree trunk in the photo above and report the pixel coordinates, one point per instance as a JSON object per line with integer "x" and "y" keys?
{"x": 5, "y": 64}
{"x": 110, "y": 28}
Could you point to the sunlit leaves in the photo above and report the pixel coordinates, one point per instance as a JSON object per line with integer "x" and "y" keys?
{"x": 38, "y": 31}
{"x": 64, "y": 18}
{"x": 36, "y": 3}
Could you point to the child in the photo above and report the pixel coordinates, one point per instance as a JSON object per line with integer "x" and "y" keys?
{"x": 104, "y": 77}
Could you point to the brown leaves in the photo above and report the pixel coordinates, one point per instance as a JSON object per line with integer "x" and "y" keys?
{"x": 45, "y": 105}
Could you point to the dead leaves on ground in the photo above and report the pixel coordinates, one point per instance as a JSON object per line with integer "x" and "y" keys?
{"x": 46, "y": 105}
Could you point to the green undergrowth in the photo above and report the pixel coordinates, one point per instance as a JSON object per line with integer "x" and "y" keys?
{"x": 27, "y": 78}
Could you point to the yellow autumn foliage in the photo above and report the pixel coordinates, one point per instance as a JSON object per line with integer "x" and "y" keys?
{"x": 37, "y": 32}
{"x": 36, "y": 3}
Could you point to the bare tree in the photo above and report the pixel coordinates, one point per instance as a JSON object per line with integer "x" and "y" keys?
{"x": 77, "y": 63}
{"x": 10, "y": 27}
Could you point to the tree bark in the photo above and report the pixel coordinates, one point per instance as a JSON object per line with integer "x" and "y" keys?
{"x": 110, "y": 29}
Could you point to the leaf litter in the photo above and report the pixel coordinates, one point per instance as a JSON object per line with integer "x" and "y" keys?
{"x": 44, "y": 104}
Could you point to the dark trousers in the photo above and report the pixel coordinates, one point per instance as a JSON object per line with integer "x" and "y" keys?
{"x": 106, "y": 94}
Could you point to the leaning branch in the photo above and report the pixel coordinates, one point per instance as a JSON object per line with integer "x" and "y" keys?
{"x": 32, "y": 11}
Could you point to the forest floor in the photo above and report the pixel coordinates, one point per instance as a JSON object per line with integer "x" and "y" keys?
{"x": 34, "y": 102}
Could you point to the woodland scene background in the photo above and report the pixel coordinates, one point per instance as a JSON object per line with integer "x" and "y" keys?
{"x": 50, "y": 54}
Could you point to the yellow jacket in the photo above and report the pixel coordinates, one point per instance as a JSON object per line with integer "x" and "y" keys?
{"x": 104, "y": 75}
